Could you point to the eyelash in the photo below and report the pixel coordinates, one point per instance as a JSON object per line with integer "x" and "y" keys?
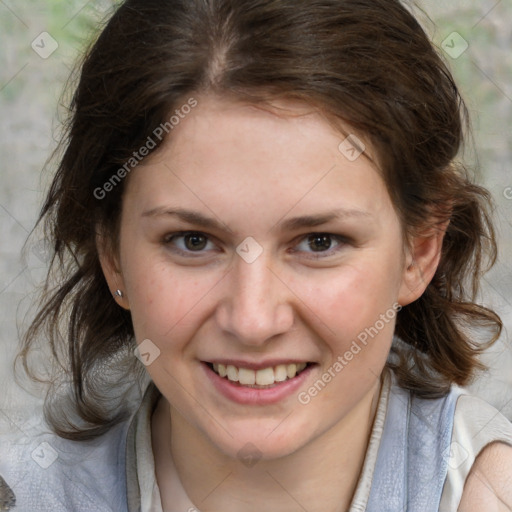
{"x": 340, "y": 240}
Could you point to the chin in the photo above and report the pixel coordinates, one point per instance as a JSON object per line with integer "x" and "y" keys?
{"x": 250, "y": 443}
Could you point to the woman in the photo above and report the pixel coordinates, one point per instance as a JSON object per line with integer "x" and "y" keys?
{"x": 259, "y": 203}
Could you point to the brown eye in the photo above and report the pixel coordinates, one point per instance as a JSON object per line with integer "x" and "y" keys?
{"x": 321, "y": 245}
{"x": 320, "y": 242}
{"x": 195, "y": 241}
{"x": 186, "y": 243}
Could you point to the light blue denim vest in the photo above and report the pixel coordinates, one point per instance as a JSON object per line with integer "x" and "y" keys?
{"x": 413, "y": 457}
{"x": 92, "y": 476}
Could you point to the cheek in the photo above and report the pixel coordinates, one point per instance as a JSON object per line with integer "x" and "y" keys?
{"x": 355, "y": 304}
{"x": 164, "y": 299}
{"x": 360, "y": 291}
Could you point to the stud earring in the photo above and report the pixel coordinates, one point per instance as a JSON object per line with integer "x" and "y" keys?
{"x": 119, "y": 294}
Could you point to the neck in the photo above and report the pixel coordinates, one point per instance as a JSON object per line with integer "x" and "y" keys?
{"x": 329, "y": 466}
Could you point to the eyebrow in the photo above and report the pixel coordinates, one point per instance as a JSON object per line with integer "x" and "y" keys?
{"x": 293, "y": 224}
{"x": 311, "y": 221}
{"x": 189, "y": 216}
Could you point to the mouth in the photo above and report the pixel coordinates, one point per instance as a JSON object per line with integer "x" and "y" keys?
{"x": 263, "y": 378}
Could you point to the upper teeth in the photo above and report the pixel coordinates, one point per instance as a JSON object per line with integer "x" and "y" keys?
{"x": 263, "y": 377}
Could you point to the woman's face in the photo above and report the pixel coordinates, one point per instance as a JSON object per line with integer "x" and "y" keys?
{"x": 252, "y": 244}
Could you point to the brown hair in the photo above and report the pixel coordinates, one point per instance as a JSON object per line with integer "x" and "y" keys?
{"x": 367, "y": 63}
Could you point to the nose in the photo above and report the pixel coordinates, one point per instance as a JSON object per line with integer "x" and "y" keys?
{"x": 256, "y": 304}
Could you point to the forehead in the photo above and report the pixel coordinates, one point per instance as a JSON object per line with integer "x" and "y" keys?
{"x": 269, "y": 159}
{"x": 285, "y": 123}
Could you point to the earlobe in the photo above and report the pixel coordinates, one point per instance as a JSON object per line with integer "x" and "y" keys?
{"x": 121, "y": 299}
{"x": 112, "y": 272}
{"x": 421, "y": 263}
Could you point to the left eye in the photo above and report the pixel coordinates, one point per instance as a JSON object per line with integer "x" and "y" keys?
{"x": 320, "y": 243}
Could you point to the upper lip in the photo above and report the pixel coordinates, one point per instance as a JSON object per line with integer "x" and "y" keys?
{"x": 253, "y": 365}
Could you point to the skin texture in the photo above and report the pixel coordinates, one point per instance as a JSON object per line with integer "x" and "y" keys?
{"x": 489, "y": 484}
{"x": 251, "y": 169}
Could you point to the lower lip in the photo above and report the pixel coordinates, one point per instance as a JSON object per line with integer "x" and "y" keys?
{"x": 253, "y": 396}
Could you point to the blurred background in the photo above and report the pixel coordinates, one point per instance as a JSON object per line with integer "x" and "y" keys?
{"x": 40, "y": 42}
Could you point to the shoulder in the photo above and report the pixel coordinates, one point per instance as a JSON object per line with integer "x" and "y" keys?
{"x": 45, "y": 472}
{"x": 480, "y": 463}
{"x": 489, "y": 484}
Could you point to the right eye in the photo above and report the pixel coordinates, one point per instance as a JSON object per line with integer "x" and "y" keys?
{"x": 186, "y": 243}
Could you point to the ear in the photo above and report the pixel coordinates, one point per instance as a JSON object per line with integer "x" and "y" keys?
{"x": 421, "y": 262}
{"x": 111, "y": 267}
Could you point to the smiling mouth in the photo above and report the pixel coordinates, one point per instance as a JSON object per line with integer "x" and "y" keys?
{"x": 259, "y": 379}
